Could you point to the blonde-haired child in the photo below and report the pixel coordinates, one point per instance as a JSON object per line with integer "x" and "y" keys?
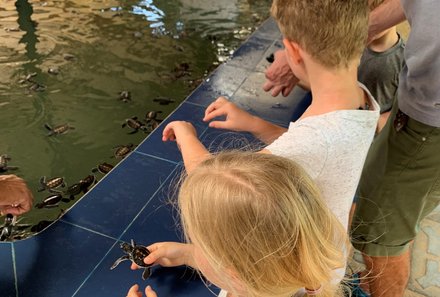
{"x": 256, "y": 226}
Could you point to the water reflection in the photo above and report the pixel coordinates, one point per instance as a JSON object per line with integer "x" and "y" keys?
{"x": 99, "y": 49}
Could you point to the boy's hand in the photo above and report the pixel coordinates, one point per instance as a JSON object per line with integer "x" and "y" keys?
{"x": 236, "y": 118}
{"x": 169, "y": 254}
{"x": 279, "y": 76}
{"x": 134, "y": 292}
{"x": 177, "y": 130}
{"x": 15, "y": 196}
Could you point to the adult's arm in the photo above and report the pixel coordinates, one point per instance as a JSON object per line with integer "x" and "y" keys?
{"x": 386, "y": 15}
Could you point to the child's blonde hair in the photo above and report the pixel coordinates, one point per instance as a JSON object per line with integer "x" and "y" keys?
{"x": 333, "y": 32}
{"x": 261, "y": 217}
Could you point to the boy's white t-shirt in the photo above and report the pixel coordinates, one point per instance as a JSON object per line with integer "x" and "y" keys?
{"x": 332, "y": 148}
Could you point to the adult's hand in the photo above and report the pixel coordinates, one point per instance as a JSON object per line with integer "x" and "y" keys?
{"x": 15, "y": 196}
{"x": 279, "y": 76}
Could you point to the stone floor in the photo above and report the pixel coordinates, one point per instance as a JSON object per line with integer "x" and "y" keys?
{"x": 425, "y": 270}
{"x": 425, "y": 263}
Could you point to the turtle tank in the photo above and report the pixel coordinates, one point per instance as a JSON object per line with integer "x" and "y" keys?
{"x": 83, "y": 82}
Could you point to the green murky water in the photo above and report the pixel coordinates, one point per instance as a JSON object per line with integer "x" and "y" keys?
{"x": 148, "y": 47}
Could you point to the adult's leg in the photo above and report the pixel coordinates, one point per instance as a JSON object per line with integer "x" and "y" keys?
{"x": 400, "y": 185}
{"x": 387, "y": 276}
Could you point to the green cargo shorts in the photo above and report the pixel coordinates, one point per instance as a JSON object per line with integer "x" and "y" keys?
{"x": 400, "y": 185}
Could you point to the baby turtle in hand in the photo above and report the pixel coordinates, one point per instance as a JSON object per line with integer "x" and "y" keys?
{"x": 125, "y": 96}
{"x": 103, "y": 168}
{"x": 123, "y": 150}
{"x": 163, "y": 100}
{"x": 4, "y": 159}
{"x": 51, "y": 184}
{"x": 57, "y": 130}
{"x": 135, "y": 124}
{"x": 136, "y": 254}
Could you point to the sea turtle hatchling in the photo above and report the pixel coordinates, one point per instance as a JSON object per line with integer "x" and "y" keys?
{"x": 103, "y": 168}
{"x": 135, "y": 125}
{"x": 4, "y": 159}
{"x": 136, "y": 254}
{"x": 51, "y": 184}
{"x": 123, "y": 150}
{"x": 57, "y": 130}
{"x": 125, "y": 96}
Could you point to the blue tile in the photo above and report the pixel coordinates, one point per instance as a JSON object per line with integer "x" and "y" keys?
{"x": 111, "y": 205}
{"x": 7, "y": 278}
{"x": 250, "y": 53}
{"x": 154, "y": 145}
{"x": 55, "y": 262}
{"x": 223, "y": 82}
{"x": 159, "y": 220}
{"x": 269, "y": 30}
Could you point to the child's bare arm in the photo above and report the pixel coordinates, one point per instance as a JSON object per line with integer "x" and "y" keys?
{"x": 193, "y": 151}
{"x": 240, "y": 120}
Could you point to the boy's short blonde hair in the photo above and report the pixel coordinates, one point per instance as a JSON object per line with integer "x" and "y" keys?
{"x": 333, "y": 32}
{"x": 374, "y": 3}
{"x": 261, "y": 217}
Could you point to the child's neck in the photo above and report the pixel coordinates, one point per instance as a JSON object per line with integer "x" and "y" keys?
{"x": 334, "y": 90}
{"x": 385, "y": 41}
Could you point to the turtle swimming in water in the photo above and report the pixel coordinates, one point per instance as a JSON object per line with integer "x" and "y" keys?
{"x": 136, "y": 254}
{"x": 125, "y": 96}
{"x": 103, "y": 168}
{"x": 123, "y": 150}
{"x": 57, "y": 130}
{"x": 4, "y": 159}
{"x": 135, "y": 124}
{"x": 51, "y": 184}
{"x": 163, "y": 100}
{"x": 50, "y": 201}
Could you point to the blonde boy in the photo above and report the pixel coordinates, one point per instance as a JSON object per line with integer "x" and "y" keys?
{"x": 324, "y": 40}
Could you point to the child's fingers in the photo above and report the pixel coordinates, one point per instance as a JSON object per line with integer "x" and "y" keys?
{"x": 133, "y": 292}
{"x": 134, "y": 266}
{"x": 149, "y": 292}
{"x": 215, "y": 113}
{"x": 219, "y": 125}
{"x": 215, "y": 105}
{"x": 168, "y": 133}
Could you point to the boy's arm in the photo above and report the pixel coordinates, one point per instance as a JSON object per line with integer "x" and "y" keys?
{"x": 386, "y": 15}
{"x": 266, "y": 131}
{"x": 193, "y": 151}
{"x": 238, "y": 120}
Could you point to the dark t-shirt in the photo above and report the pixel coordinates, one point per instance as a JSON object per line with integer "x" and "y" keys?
{"x": 379, "y": 72}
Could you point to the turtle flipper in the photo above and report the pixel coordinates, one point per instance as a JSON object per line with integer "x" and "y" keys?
{"x": 147, "y": 273}
{"x": 119, "y": 260}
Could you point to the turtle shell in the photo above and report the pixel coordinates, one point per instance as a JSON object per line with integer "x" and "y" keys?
{"x": 138, "y": 254}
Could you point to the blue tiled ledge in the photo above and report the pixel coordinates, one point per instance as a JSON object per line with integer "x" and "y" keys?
{"x": 72, "y": 257}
